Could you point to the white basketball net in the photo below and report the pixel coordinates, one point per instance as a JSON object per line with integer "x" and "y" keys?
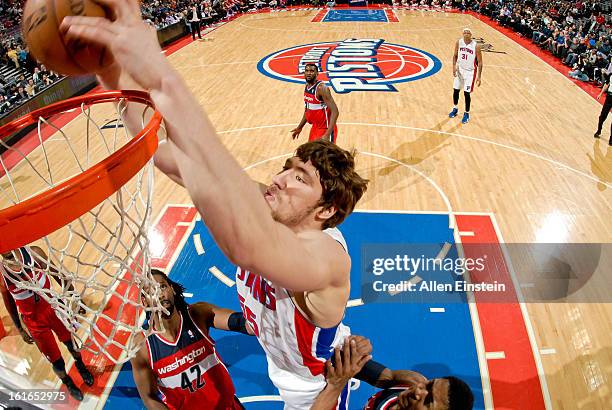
{"x": 104, "y": 254}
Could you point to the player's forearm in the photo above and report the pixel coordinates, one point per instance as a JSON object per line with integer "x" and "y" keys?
{"x": 153, "y": 403}
{"x": 302, "y": 121}
{"x": 15, "y": 317}
{"x": 334, "y": 118}
{"x": 12, "y": 310}
{"x": 328, "y": 398}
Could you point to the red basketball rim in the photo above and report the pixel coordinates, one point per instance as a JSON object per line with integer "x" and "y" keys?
{"x": 46, "y": 212}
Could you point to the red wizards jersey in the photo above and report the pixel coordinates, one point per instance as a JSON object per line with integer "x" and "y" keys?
{"x": 26, "y": 300}
{"x": 190, "y": 374}
{"x": 317, "y": 113}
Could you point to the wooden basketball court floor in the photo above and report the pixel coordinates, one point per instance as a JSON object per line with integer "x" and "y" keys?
{"x": 526, "y": 169}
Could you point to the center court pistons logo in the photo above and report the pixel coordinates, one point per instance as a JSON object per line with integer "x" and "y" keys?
{"x": 355, "y": 64}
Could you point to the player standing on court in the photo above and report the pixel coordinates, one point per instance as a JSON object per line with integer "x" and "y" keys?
{"x": 320, "y": 109}
{"x": 182, "y": 362}
{"x": 467, "y": 69}
{"x": 294, "y": 280}
{"x": 37, "y": 314}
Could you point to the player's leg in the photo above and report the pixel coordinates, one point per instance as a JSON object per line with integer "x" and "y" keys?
{"x": 64, "y": 336}
{"x": 43, "y": 337}
{"x": 457, "y": 85}
{"x": 605, "y": 110}
{"x": 468, "y": 86}
{"x": 468, "y": 102}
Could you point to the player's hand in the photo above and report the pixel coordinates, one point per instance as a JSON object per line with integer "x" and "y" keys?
{"x": 455, "y": 72}
{"x": 348, "y": 362}
{"x": 412, "y": 396}
{"x": 26, "y": 336}
{"x": 478, "y": 82}
{"x": 599, "y": 96}
{"x": 130, "y": 40}
{"x": 295, "y": 132}
{"x": 364, "y": 347}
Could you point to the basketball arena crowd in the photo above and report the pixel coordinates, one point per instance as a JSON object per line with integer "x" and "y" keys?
{"x": 579, "y": 33}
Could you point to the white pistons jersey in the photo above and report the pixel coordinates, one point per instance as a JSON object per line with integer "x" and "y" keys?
{"x": 466, "y": 57}
{"x": 296, "y": 349}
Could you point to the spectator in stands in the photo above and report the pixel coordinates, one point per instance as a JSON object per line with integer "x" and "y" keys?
{"x": 36, "y": 76}
{"x": 30, "y": 88}
{"x": 12, "y": 55}
{"x": 5, "y": 105}
{"x": 46, "y": 81}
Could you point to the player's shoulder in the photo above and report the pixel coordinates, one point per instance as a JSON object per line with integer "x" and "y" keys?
{"x": 142, "y": 355}
{"x": 328, "y": 245}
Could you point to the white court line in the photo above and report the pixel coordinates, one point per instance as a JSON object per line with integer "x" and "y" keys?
{"x": 183, "y": 224}
{"x": 485, "y": 141}
{"x": 466, "y": 233}
{"x": 253, "y": 399}
{"x": 437, "y": 310}
{"x": 495, "y": 355}
{"x": 548, "y": 351}
{"x": 354, "y": 302}
{"x": 444, "y": 251}
{"x": 197, "y": 242}
{"x": 451, "y": 217}
{"x": 221, "y": 276}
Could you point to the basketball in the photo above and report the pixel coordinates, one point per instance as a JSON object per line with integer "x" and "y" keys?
{"x": 40, "y": 27}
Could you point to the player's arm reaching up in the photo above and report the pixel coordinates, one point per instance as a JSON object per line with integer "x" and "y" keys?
{"x": 326, "y": 96}
{"x": 231, "y": 206}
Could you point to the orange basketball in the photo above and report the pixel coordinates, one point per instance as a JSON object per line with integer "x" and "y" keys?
{"x": 40, "y": 27}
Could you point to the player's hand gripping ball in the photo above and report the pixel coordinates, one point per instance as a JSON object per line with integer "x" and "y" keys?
{"x": 40, "y": 27}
